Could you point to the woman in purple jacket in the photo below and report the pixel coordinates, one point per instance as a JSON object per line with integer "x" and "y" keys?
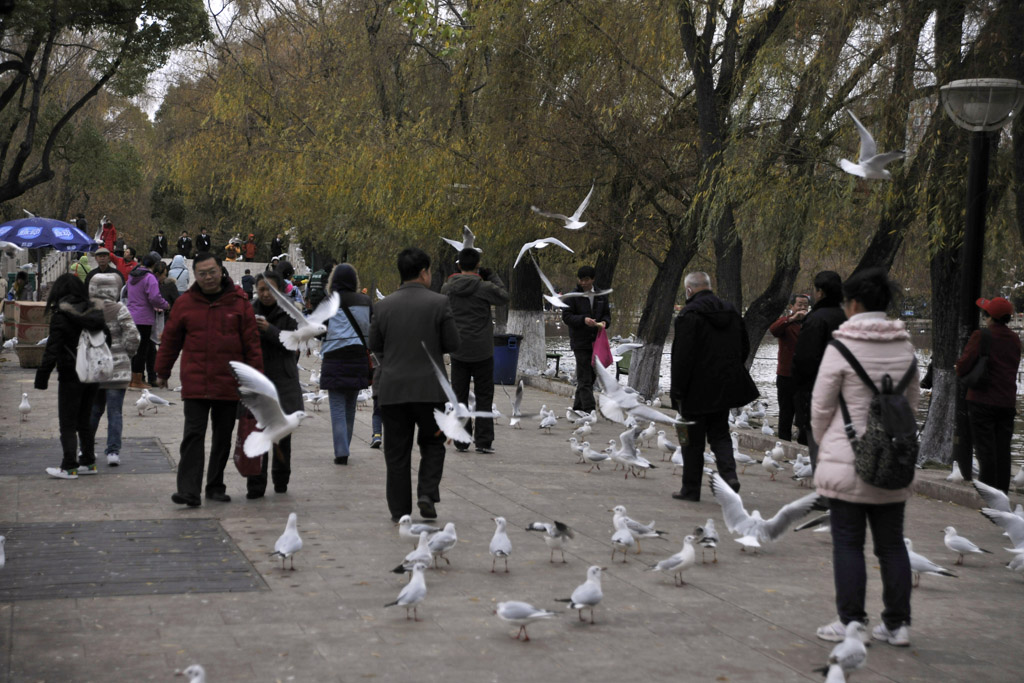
{"x": 143, "y": 301}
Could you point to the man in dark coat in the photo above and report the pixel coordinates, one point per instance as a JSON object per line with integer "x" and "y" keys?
{"x": 203, "y": 241}
{"x": 825, "y": 318}
{"x": 471, "y": 293}
{"x": 210, "y": 324}
{"x": 709, "y": 376}
{"x": 159, "y": 243}
{"x": 584, "y": 321}
{"x": 276, "y": 246}
{"x": 185, "y": 245}
{"x": 281, "y": 367}
{"x": 408, "y": 390}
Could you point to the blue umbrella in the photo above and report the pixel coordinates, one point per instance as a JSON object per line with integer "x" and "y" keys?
{"x": 35, "y": 233}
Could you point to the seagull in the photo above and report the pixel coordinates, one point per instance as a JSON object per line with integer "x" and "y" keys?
{"x": 622, "y": 539}
{"x": 678, "y": 563}
{"x": 770, "y": 465}
{"x": 410, "y": 531}
{"x": 42, "y": 342}
{"x": 10, "y": 249}
{"x": 1018, "y": 479}
{"x": 664, "y": 445}
{"x": 707, "y": 536}
{"x": 583, "y": 430}
{"x": 522, "y": 613}
{"x": 960, "y": 545}
{"x": 592, "y": 456}
{"x": 587, "y": 595}
{"x": 289, "y": 542}
{"x": 500, "y": 546}
{"x": 195, "y": 674}
{"x": 548, "y": 422}
{"x": 762, "y": 531}
{"x": 648, "y": 433}
{"x": 617, "y": 403}
{"x": 552, "y": 297}
{"x": 677, "y": 458}
{"x": 517, "y": 402}
{"x": 143, "y": 405}
{"x": 259, "y": 395}
{"x": 870, "y": 164}
{"x": 590, "y": 296}
{"x": 380, "y": 294}
{"x": 1016, "y": 564}
{"x": 1012, "y": 525}
{"x": 636, "y": 528}
{"x": 620, "y": 350}
{"x": 24, "y": 408}
{"x": 451, "y": 421}
{"x": 628, "y": 456}
{"x": 577, "y": 449}
{"x": 541, "y": 244}
{"x": 571, "y": 222}
{"x": 802, "y": 472}
{"x": 955, "y": 476}
{"x": 767, "y": 430}
{"x": 819, "y": 524}
{"x": 555, "y": 536}
{"x": 155, "y": 400}
{"x": 413, "y": 592}
{"x": 851, "y": 654}
{"x": 420, "y": 555}
{"x": 919, "y": 564}
{"x": 993, "y": 497}
{"x": 309, "y": 327}
{"x": 778, "y": 452}
{"x": 442, "y": 542}
{"x": 467, "y": 240}
{"x": 10, "y": 344}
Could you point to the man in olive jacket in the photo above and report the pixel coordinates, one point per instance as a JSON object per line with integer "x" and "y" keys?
{"x": 471, "y": 293}
{"x": 408, "y": 392}
{"x": 709, "y": 376}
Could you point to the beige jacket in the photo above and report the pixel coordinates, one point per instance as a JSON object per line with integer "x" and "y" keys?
{"x": 882, "y": 346}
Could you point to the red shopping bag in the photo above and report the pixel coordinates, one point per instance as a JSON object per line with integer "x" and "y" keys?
{"x": 602, "y": 350}
{"x": 247, "y": 466}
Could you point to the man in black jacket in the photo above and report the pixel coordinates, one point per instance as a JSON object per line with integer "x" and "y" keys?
{"x": 203, "y": 241}
{"x": 825, "y": 317}
{"x": 584, "y": 320}
{"x": 159, "y": 243}
{"x": 185, "y": 245}
{"x": 709, "y": 376}
{"x": 471, "y": 293}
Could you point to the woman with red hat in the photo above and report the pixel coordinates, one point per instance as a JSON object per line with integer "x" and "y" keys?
{"x": 991, "y": 405}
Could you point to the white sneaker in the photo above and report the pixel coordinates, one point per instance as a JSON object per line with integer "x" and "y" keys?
{"x": 87, "y": 469}
{"x": 836, "y": 632}
{"x": 899, "y": 638}
{"x": 62, "y": 474}
{"x": 113, "y": 459}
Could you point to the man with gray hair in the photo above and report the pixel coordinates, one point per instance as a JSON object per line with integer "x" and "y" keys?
{"x": 709, "y": 376}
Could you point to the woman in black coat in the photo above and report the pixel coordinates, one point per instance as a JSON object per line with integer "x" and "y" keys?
{"x": 281, "y": 367}
{"x": 71, "y": 312}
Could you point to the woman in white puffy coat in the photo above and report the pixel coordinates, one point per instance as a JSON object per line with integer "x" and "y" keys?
{"x": 882, "y": 346}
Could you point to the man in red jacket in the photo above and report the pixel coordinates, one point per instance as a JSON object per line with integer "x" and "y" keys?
{"x": 211, "y": 323}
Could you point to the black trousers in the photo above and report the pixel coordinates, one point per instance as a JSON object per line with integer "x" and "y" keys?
{"x": 713, "y": 428}
{"x": 74, "y": 420}
{"x": 401, "y": 421}
{"x": 482, "y": 374}
{"x": 280, "y": 468}
{"x": 139, "y": 359}
{"x": 991, "y": 431}
{"x": 199, "y": 412}
{"x": 584, "y": 399}
{"x": 849, "y": 521}
{"x": 786, "y": 392}
{"x": 802, "y": 418}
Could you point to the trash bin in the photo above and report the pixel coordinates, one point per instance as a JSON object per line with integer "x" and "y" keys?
{"x": 506, "y": 357}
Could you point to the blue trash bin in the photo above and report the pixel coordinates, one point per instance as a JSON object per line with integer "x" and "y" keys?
{"x": 506, "y": 358}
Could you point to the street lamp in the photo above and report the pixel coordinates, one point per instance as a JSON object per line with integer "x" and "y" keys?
{"x": 982, "y": 106}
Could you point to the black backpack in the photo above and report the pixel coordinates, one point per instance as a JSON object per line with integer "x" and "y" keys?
{"x": 885, "y": 455}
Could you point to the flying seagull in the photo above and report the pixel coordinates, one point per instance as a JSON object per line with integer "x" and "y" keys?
{"x": 259, "y": 395}
{"x": 553, "y": 297}
{"x": 451, "y": 422}
{"x": 309, "y": 328}
{"x": 572, "y": 222}
{"x": 467, "y": 240}
{"x": 870, "y": 164}
{"x": 542, "y": 243}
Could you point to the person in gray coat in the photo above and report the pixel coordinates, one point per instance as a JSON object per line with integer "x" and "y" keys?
{"x": 408, "y": 391}
{"x": 471, "y": 293}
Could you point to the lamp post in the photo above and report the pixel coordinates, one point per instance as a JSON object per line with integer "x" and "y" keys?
{"x": 982, "y": 106}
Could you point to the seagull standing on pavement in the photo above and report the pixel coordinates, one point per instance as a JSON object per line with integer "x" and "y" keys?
{"x": 24, "y": 408}
{"x": 960, "y": 545}
{"x": 413, "y": 592}
{"x": 555, "y": 536}
{"x": 919, "y": 564}
{"x": 587, "y": 595}
{"x": 851, "y": 654}
{"x": 664, "y": 445}
{"x": 410, "y": 531}
{"x": 420, "y": 555}
{"x": 194, "y": 673}
{"x": 678, "y": 563}
{"x": 289, "y": 542}
{"x": 707, "y": 536}
{"x": 442, "y": 542}
{"x": 521, "y": 613}
{"x": 500, "y": 546}
{"x": 637, "y": 529}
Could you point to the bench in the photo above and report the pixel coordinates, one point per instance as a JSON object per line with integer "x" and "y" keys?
{"x": 557, "y": 357}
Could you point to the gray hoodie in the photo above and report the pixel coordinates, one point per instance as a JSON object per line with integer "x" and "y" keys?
{"x": 179, "y": 272}
{"x": 104, "y": 290}
{"x": 471, "y": 297}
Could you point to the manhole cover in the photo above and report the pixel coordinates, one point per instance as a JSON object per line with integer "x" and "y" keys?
{"x": 21, "y": 457}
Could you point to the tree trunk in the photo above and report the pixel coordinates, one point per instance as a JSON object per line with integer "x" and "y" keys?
{"x": 656, "y": 319}
{"x": 728, "y": 283}
{"x": 765, "y": 309}
{"x": 526, "y": 317}
{"x": 937, "y": 433}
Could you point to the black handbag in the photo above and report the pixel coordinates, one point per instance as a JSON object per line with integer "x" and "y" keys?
{"x": 359, "y": 332}
{"x": 978, "y": 376}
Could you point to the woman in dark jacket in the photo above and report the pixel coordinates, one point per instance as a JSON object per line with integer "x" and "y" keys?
{"x": 992, "y": 406}
{"x": 345, "y": 370}
{"x": 71, "y": 312}
{"x": 280, "y": 366}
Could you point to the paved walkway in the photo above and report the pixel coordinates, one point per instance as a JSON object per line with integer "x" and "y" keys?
{"x": 746, "y": 618}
